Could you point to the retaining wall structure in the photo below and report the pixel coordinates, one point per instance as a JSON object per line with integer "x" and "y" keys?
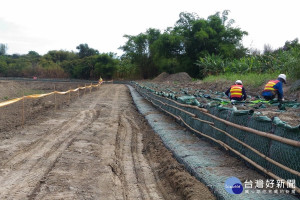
{"x": 270, "y": 146}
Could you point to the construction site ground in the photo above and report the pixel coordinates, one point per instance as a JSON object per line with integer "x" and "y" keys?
{"x": 91, "y": 145}
{"x": 96, "y": 147}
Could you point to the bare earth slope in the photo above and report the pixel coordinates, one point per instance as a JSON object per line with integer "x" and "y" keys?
{"x": 97, "y": 148}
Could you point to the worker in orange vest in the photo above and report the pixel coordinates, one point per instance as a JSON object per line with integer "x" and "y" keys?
{"x": 274, "y": 87}
{"x": 237, "y": 92}
{"x": 100, "y": 80}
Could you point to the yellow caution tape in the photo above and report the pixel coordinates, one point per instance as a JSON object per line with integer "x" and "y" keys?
{"x": 33, "y": 96}
{"x": 56, "y": 92}
{"x": 5, "y": 103}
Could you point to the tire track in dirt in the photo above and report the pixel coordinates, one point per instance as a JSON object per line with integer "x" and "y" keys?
{"x": 22, "y": 172}
{"x": 113, "y": 139}
{"x": 92, "y": 150}
{"x": 30, "y": 167}
{"x": 141, "y": 165}
{"x": 25, "y": 153}
{"x": 131, "y": 167}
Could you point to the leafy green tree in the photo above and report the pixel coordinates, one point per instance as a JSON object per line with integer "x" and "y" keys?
{"x": 49, "y": 69}
{"x": 178, "y": 48}
{"x": 92, "y": 67}
{"x": 167, "y": 50}
{"x": 33, "y": 54}
{"x": 60, "y": 56}
{"x": 69, "y": 65}
{"x": 3, "y": 66}
{"x": 291, "y": 44}
{"x": 84, "y": 67}
{"x": 3, "y": 49}
{"x": 137, "y": 48}
{"x": 126, "y": 69}
{"x": 105, "y": 66}
{"x": 85, "y": 51}
{"x": 214, "y": 35}
{"x": 15, "y": 69}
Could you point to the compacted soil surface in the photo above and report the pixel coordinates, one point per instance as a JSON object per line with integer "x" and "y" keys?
{"x": 95, "y": 146}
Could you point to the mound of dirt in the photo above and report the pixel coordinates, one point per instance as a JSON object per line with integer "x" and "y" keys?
{"x": 161, "y": 77}
{"x": 180, "y": 77}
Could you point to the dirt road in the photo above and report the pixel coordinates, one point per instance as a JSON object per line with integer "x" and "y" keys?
{"x": 97, "y": 148}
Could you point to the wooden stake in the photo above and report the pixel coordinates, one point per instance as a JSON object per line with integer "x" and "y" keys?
{"x": 54, "y": 99}
{"x": 23, "y": 110}
{"x": 69, "y": 95}
{"x": 78, "y": 91}
{"x": 84, "y": 88}
{"x": 244, "y": 128}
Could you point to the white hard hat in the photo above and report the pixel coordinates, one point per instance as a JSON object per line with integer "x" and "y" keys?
{"x": 283, "y": 76}
{"x": 239, "y": 82}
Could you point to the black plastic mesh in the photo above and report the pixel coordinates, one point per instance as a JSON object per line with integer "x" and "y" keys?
{"x": 285, "y": 154}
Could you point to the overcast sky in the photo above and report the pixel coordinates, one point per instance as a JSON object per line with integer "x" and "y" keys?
{"x": 44, "y": 25}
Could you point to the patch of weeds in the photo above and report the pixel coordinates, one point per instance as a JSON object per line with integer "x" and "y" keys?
{"x": 295, "y": 86}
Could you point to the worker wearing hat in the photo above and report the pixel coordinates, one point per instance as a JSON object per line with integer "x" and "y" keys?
{"x": 237, "y": 92}
{"x": 274, "y": 87}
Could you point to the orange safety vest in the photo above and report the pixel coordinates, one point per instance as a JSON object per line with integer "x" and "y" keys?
{"x": 270, "y": 86}
{"x": 236, "y": 91}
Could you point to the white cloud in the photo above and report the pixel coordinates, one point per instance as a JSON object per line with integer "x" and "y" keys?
{"x": 63, "y": 24}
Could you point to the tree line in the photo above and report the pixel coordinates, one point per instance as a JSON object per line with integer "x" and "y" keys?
{"x": 178, "y": 48}
{"x": 88, "y": 63}
{"x": 200, "y": 47}
{"x": 203, "y": 47}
